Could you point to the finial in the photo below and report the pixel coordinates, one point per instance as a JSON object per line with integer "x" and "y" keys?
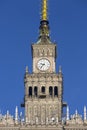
{"x": 60, "y": 69}
{"x": 76, "y": 113}
{"x": 44, "y": 10}
{"x": 26, "y": 69}
{"x": 0, "y": 113}
{"x": 85, "y": 114}
{"x": 20, "y": 114}
{"x": 67, "y": 113}
{"x": 16, "y": 115}
{"x": 7, "y": 113}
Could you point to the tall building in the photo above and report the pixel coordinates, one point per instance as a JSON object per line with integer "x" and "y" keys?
{"x": 43, "y": 97}
{"x": 44, "y": 87}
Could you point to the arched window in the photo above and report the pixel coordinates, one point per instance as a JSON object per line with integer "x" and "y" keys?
{"x": 56, "y": 91}
{"x": 43, "y": 89}
{"x": 50, "y": 91}
{"x": 30, "y": 91}
{"x": 35, "y": 91}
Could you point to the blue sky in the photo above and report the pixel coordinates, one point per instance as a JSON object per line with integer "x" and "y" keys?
{"x": 19, "y": 27}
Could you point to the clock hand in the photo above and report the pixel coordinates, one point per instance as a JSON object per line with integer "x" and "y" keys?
{"x": 42, "y": 65}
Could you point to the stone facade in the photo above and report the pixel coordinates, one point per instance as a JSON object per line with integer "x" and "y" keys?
{"x": 44, "y": 104}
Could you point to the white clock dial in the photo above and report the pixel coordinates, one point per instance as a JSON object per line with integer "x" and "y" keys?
{"x": 43, "y": 64}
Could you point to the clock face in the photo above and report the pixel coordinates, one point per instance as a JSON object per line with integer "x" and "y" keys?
{"x": 43, "y": 64}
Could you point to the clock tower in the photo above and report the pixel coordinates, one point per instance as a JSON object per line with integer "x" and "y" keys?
{"x": 44, "y": 86}
{"x": 44, "y": 51}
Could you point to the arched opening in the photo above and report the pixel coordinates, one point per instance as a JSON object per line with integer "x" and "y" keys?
{"x": 35, "y": 91}
{"x": 56, "y": 91}
{"x": 43, "y": 89}
{"x": 30, "y": 91}
{"x": 50, "y": 91}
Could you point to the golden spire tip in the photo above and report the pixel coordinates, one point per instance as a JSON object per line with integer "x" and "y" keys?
{"x": 44, "y": 10}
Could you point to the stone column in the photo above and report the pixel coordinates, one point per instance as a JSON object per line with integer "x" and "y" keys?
{"x": 32, "y": 91}
{"x": 53, "y": 91}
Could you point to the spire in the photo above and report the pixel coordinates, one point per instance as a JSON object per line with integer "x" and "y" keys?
{"x": 7, "y": 113}
{"x": 26, "y": 69}
{"x": 21, "y": 117}
{"x": 44, "y": 10}
{"x": 44, "y": 23}
{"x": 85, "y": 115}
{"x": 60, "y": 69}
{"x": 16, "y": 115}
{"x": 76, "y": 113}
{"x": 67, "y": 113}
